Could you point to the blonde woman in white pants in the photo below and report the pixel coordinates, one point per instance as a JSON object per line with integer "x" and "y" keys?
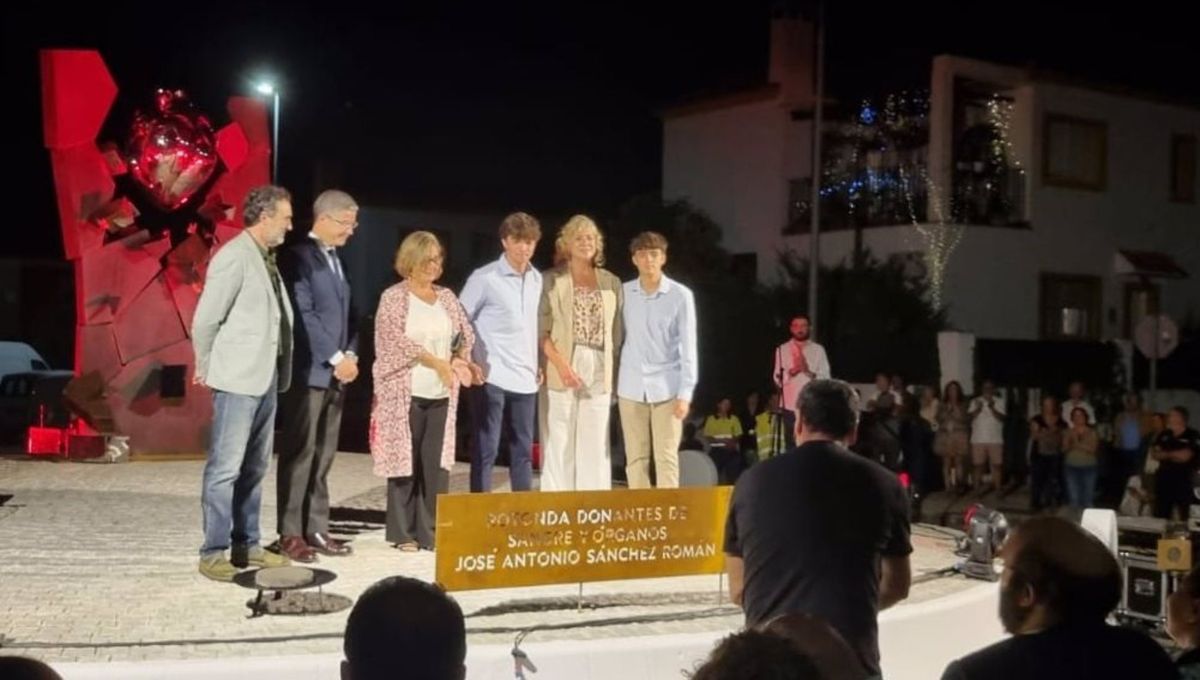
{"x": 580, "y": 328}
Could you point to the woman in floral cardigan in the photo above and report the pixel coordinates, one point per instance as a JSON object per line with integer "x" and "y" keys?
{"x": 422, "y": 344}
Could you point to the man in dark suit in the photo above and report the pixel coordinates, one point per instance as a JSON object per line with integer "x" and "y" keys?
{"x": 325, "y": 363}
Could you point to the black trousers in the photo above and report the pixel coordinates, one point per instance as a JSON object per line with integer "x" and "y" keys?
{"x": 1172, "y": 495}
{"x": 311, "y": 420}
{"x": 729, "y": 461}
{"x": 412, "y": 500}
{"x": 1046, "y": 488}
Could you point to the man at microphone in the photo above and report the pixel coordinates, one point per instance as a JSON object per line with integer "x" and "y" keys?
{"x": 797, "y": 361}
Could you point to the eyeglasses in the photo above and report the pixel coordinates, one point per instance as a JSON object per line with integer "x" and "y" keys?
{"x": 349, "y": 224}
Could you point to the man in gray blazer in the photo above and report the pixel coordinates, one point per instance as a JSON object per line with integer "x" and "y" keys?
{"x": 242, "y": 335}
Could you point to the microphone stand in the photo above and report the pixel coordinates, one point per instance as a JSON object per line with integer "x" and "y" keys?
{"x": 777, "y": 434}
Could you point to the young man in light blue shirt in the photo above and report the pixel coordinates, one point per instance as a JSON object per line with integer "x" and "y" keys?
{"x": 501, "y": 299}
{"x": 658, "y": 365}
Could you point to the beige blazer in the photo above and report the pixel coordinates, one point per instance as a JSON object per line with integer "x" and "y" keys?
{"x": 556, "y": 317}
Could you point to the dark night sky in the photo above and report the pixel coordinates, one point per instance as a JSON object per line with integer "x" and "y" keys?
{"x": 549, "y": 107}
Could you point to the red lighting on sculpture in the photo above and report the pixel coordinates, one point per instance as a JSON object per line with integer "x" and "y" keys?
{"x": 136, "y": 284}
{"x": 172, "y": 150}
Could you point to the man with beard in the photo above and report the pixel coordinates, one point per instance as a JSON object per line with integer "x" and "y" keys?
{"x": 242, "y": 337}
{"x": 1058, "y": 586}
{"x": 797, "y": 361}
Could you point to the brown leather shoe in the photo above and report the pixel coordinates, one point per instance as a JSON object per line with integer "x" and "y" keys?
{"x": 295, "y": 548}
{"x": 328, "y": 545}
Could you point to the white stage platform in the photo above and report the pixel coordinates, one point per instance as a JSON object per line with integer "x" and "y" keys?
{"x": 98, "y": 578}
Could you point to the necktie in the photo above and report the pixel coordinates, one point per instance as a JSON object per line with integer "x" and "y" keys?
{"x": 333, "y": 261}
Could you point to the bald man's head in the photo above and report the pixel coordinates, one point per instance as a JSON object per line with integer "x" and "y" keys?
{"x": 1055, "y": 566}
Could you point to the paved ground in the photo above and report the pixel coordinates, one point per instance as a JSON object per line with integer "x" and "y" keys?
{"x": 98, "y": 563}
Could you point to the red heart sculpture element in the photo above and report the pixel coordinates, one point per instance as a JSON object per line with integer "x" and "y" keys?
{"x": 172, "y": 151}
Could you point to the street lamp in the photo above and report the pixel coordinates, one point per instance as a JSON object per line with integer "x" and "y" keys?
{"x": 268, "y": 88}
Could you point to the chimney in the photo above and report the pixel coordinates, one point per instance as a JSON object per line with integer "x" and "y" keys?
{"x": 793, "y": 41}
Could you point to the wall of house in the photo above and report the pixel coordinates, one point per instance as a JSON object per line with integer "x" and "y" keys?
{"x": 735, "y": 163}
{"x": 731, "y": 164}
{"x": 992, "y": 283}
{"x": 1134, "y": 212}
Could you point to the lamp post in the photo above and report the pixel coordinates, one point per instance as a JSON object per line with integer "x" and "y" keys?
{"x": 268, "y": 88}
{"x": 814, "y": 231}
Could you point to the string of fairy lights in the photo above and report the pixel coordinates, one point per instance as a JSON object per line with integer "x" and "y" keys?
{"x": 877, "y": 169}
{"x": 939, "y": 236}
{"x": 1000, "y": 112}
